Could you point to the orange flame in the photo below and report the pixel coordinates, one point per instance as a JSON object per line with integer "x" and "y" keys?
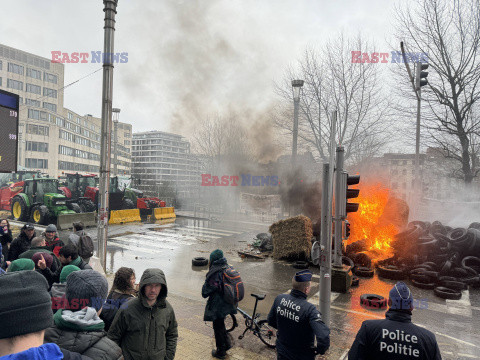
{"x": 367, "y": 223}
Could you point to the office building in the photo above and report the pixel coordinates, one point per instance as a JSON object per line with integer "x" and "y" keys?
{"x": 51, "y": 138}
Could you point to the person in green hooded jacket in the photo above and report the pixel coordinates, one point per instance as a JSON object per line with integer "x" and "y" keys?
{"x": 147, "y": 329}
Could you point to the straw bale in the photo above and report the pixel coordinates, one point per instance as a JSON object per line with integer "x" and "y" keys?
{"x": 292, "y": 238}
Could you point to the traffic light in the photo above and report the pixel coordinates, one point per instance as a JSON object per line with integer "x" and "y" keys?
{"x": 345, "y": 193}
{"x": 421, "y": 78}
{"x": 352, "y": 193}
{"x": 346, "y": 229}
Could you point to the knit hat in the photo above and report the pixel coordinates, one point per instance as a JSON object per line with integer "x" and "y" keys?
{"x": 400, "y": 297}
{"x": 21, "y": 265}
{"x": 216, "y": 255}
{"x": 38, "y": 256}
{"x": 67, "y": 270}
{"x": 28, "y": 226}
{"x": 86, "y": 288}
{"x": 25, "y": 305}
{"x": 51, "y": 228}
{"x": 303, "y": 276}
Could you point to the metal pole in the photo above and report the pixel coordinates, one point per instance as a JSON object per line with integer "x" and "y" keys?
{"x": 337, "y": 259}
{"x": 115, "y": 141}
{"x": 296, "y": 103}
{"x": 110, "y": 9}
{"x": 325, "y": 285}
{"x": 417, "y": 143}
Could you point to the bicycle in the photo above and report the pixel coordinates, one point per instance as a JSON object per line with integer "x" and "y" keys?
{"x": 260, "y": 328}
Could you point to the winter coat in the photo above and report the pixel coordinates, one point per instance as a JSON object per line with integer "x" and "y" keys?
{"x": 5, "y": 240}
{"x": 74, "y": 238}
{"x": 115, "y": 301}
{"x": 55, "y": 245}
{"x": 19, "y": 245}
{"x": 374, "y": 340}
{"x": 217, "y": 307}
{"x": 298, "y": 323}
{"x": 147, "y": 332}
{"x": 82, "y": 332}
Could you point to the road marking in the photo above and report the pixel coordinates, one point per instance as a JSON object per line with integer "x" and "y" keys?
{"x": 153, "y": 241}
{"x": 460, "y": 307}
{"x": 135, "y": 249}
{"x": 214, "y": 230}
{"x": 179, "y": 233}
{"x": 169, "y": 235}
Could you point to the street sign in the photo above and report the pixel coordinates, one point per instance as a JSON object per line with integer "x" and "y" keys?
{"x": 9, "y": 134}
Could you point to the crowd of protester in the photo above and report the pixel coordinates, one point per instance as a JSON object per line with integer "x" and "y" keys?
{"x": 53, "y": 305}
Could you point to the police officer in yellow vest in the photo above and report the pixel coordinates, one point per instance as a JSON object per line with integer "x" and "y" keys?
{"x": 298, "y": 322}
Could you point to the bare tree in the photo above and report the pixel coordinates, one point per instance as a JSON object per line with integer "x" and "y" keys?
{"x": 448, "y": 31}
{"x": 222, "y": 140}
{"x": 333, "y": 82}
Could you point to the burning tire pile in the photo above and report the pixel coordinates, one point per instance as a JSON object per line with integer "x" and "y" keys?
{"x": 432, "y": 256}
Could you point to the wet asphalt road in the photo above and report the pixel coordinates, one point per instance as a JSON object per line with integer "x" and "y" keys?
{"x": 171, "y": 247}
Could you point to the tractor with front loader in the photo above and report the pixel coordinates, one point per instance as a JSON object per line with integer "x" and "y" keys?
{"x": 39, "y": 201}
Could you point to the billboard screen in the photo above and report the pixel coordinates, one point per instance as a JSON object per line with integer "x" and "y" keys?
{"x": 9, "y": 131}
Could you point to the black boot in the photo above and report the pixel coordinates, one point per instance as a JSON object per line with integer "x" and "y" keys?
{"x": 218, "y": 354}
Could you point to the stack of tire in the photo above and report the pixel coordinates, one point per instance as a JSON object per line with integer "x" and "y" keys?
{"x": 436, "y": 257}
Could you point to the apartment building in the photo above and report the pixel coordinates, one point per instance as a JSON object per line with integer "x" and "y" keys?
{"x": 52, "y": 138}
{"x": 160, "y": 159}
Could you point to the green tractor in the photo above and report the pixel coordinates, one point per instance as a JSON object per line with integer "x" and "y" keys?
{"x": 40, "y": 203}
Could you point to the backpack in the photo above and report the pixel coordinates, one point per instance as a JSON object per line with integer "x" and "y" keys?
{"x": 233, "y": 289}
{"x": 85, "y": 246}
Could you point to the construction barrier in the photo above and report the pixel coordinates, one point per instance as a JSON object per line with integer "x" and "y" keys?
{"x": 124, "y": 216}
{"x": 65, "y": 221}
{"x": 164, "y": 213}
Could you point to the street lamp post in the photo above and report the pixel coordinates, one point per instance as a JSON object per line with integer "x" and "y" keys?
{"x": 297, "y": 86}
{"x": 116, "y": 116}
{"x": 110, "y": 10}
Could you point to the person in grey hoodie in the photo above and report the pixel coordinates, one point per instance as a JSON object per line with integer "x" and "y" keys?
{"x": 78, "y": 326}
{"x": 147, "y": 328}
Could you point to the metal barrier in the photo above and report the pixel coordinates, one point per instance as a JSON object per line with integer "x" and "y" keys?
{"x": 124, "y": 216}
{"x": 65, "y": 221}
{"x": 164, "y": 213}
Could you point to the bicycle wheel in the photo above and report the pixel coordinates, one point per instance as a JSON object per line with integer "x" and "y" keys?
{"x": 267, "y": 334}
{"x": 230, "y": 322}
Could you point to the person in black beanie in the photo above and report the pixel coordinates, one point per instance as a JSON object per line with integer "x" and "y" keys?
{"x": 217, "y": 308}
{"x": 395, "y": 337}
{"x": 25, "y": 310}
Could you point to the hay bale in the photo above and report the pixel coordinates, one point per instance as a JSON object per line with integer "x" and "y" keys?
{"x": 292, "y": 238}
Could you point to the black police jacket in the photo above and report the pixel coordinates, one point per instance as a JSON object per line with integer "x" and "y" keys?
{"x": 394, "y": 338}
{"x": 298, "y": 323}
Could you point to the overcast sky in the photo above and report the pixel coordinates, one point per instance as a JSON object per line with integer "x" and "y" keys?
{"x": 187, "y": 57}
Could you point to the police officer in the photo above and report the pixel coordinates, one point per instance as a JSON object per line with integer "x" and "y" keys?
{"x": 395, "y": 338}
{"x": 298, "y": 322}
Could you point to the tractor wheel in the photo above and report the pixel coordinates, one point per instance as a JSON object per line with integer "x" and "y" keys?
{"x": 128, "y": 204}
{"x": 19, "y": 209}
{"x": 75, "y": 207}
{"x": 39, "y": 215}
{"x": 90, "y": 206}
